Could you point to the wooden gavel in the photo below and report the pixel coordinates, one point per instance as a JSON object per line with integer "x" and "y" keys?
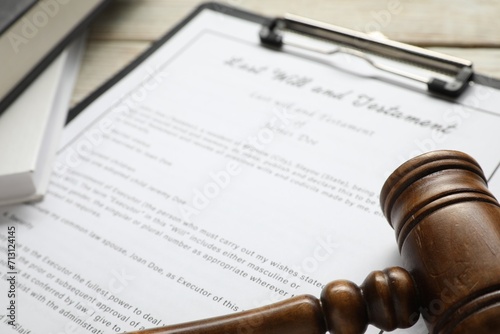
{"x": 447, "y": 227}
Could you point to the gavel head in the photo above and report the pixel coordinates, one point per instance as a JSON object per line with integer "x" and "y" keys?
{"x": 447, "y": 226}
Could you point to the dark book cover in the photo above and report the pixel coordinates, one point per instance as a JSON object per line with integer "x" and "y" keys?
{"x": 11, "y": 10}
{"x": 33, "y": 33}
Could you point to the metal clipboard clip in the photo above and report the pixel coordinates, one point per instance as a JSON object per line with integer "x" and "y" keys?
{"x": 443, "y": 74}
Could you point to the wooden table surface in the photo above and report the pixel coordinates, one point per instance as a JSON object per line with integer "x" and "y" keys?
{"x": 466, "y": 28}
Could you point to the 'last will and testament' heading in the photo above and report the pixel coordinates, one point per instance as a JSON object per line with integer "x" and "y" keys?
{"x": 359, "y": 100}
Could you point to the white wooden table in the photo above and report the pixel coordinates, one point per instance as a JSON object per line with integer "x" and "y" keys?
{"x": 466, "y": 28}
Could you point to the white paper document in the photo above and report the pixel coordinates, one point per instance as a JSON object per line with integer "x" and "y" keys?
{"x": 219, "y": 176}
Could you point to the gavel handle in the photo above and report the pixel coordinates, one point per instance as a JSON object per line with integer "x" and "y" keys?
{"x": 386, "y": 299}
{"x": 300, "y": 314}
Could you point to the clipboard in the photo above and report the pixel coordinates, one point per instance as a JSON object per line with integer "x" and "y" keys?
{"x": 445, "y": 75}
{"x": 306, "y": 194}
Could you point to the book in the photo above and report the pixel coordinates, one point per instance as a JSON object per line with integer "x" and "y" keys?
{"x": 31, "y": 126}
{"x": 215, "y": 175}
{"x": 12, "y": 10}
{"x": 33, "y": 33}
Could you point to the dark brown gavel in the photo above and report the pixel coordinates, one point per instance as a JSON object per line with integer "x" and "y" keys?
{"x": 447, "y": 227}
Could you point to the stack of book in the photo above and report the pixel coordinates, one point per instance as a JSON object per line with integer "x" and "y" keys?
{"x": 41, "y": 45}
